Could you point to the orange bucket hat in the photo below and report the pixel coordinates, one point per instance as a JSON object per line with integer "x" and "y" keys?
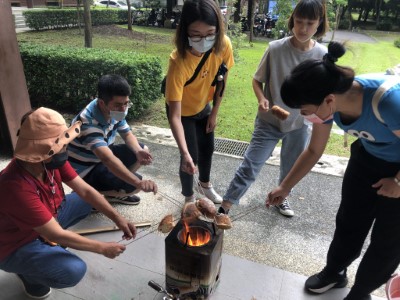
{"x": 43, "y": 133}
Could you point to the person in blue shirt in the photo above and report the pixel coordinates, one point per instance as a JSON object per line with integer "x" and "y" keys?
{"x": 108, "y": 167}
{"x": 367, "y": 107}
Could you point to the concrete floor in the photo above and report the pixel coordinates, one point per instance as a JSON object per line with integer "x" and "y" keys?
{"x": 127, "y": 277}
{"x": 265, "y": 256}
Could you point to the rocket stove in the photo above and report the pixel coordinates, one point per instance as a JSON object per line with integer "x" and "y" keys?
{"x": 193, "y": 259}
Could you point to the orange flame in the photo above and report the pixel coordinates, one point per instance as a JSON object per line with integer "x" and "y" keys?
{"x": 195, "y": 236}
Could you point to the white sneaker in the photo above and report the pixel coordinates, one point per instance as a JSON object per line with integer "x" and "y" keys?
{"x": 210, "y": 193}
{"x": 285, "y": 209}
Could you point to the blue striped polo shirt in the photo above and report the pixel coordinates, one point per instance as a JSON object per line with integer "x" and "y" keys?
{"x": 96, "y": 132}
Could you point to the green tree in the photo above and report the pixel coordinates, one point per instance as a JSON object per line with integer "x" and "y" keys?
{"x": 87, "y": 18}
{"x": 283, "y": 9}
{"x": 338, "y": 6}
{"x": 128, "y": 2}
{"x": 250, "y": 17}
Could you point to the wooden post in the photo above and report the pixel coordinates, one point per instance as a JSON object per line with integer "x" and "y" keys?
{"x": 14, "y": 95}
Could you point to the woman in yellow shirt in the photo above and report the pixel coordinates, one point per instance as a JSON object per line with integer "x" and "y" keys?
{"x": 191, "y": 116}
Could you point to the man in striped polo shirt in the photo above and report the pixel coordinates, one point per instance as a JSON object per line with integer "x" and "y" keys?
{"x": 110, "y": 168}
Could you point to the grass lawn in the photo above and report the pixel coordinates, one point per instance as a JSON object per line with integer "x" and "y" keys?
{"x": 239, "y": 106}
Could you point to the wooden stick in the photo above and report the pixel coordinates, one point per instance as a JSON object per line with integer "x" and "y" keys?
{"x": 107, "y": 228}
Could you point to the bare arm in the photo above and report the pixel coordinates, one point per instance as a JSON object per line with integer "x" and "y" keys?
{"x": 263, "y": 103}
{"x": 131, "y": 141}
{"x": 55, "y": 233}
{"x": 212, "y": 119}
{"x": 115, "y": 165}
{"x": 143, "y": 155}
{"x": 303, "y": 165}
{"x": 95, "y": 199}
{"x": 389, "y": 187}
{"x": 179, "y": 135}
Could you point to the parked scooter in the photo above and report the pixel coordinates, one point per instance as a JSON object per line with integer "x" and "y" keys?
{"x": 139, "y": 17}
{"x": 175, "y": 16}
{"x": 268, "y": 27}
{"x": 245, "y": 26}
{"x": 258, "y": 26}
{"x": 160, "y": 17}
{"x": 152, "y": 19}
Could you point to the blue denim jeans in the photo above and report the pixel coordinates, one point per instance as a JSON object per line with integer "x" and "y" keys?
{"x": 52, "y": 266}
{"x": 263, "y": 142}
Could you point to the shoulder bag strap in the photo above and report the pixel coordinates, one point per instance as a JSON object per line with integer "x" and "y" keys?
{"x": 382, "y": 89}
{"x": 201, "y": 63}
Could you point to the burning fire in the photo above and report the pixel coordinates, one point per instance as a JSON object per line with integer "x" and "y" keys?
{"x": 195, "y": 236}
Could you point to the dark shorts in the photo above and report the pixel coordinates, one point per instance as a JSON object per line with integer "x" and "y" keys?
{"x": 103, "y": 180}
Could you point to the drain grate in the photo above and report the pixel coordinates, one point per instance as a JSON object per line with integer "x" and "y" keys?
{"x": 231, "y": 147}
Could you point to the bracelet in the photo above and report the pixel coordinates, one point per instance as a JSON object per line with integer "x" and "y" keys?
{"x": 396, "y": 180}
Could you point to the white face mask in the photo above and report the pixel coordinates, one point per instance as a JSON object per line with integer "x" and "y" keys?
{"x": 118, "y": 115}
{"x": 202, "y": 46}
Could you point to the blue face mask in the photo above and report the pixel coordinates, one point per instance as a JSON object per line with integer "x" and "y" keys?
{"x": 57, "y": 161}
{"x": 118, "y": 115}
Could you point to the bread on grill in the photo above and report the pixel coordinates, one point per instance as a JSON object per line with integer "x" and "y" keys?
{"x": 166, "y": 224}
{"x": 279, "y": 112}
{"x": 206, "y": 207}
{"x": 223, "y": 221}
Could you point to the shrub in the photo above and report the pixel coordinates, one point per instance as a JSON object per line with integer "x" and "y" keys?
{"x": 344, "y": 23}
{"x": 385, "y": 25}
{"x": 68, "y": 18}
{"x": 238, "y": 38}
{"x": 65, "y": 78}
{"x": 122, "y": 16}
{"x": 397, "y": 43}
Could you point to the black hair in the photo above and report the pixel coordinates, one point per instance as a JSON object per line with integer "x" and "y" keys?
{"x": 312, "y": 10}
{"x": 206, "y": 11}
{"x": 112, "y": 85}
{"x": 313, "y": 79}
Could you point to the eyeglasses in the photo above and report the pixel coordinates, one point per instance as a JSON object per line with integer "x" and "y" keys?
{"x": 198, "y": 38}
{"x": 119, "y": 106}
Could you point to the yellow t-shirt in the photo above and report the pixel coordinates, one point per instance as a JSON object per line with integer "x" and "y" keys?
{"x": 199, "y": 92}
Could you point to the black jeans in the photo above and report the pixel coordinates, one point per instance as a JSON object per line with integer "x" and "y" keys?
{"x": 103, "y": 180}
{"x": 360, "y": 209}
{"x": 201, "y": 148}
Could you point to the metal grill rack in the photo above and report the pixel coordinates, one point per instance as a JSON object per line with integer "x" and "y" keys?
{"x": 231, "y": 147}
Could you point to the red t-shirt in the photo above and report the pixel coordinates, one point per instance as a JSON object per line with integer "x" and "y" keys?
{"x": 26, "y": 203}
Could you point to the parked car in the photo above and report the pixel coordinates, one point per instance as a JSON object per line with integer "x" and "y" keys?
{"x": 120, "y": 4}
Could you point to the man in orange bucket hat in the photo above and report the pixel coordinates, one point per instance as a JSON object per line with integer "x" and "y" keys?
{"x": 35, "y": 212}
